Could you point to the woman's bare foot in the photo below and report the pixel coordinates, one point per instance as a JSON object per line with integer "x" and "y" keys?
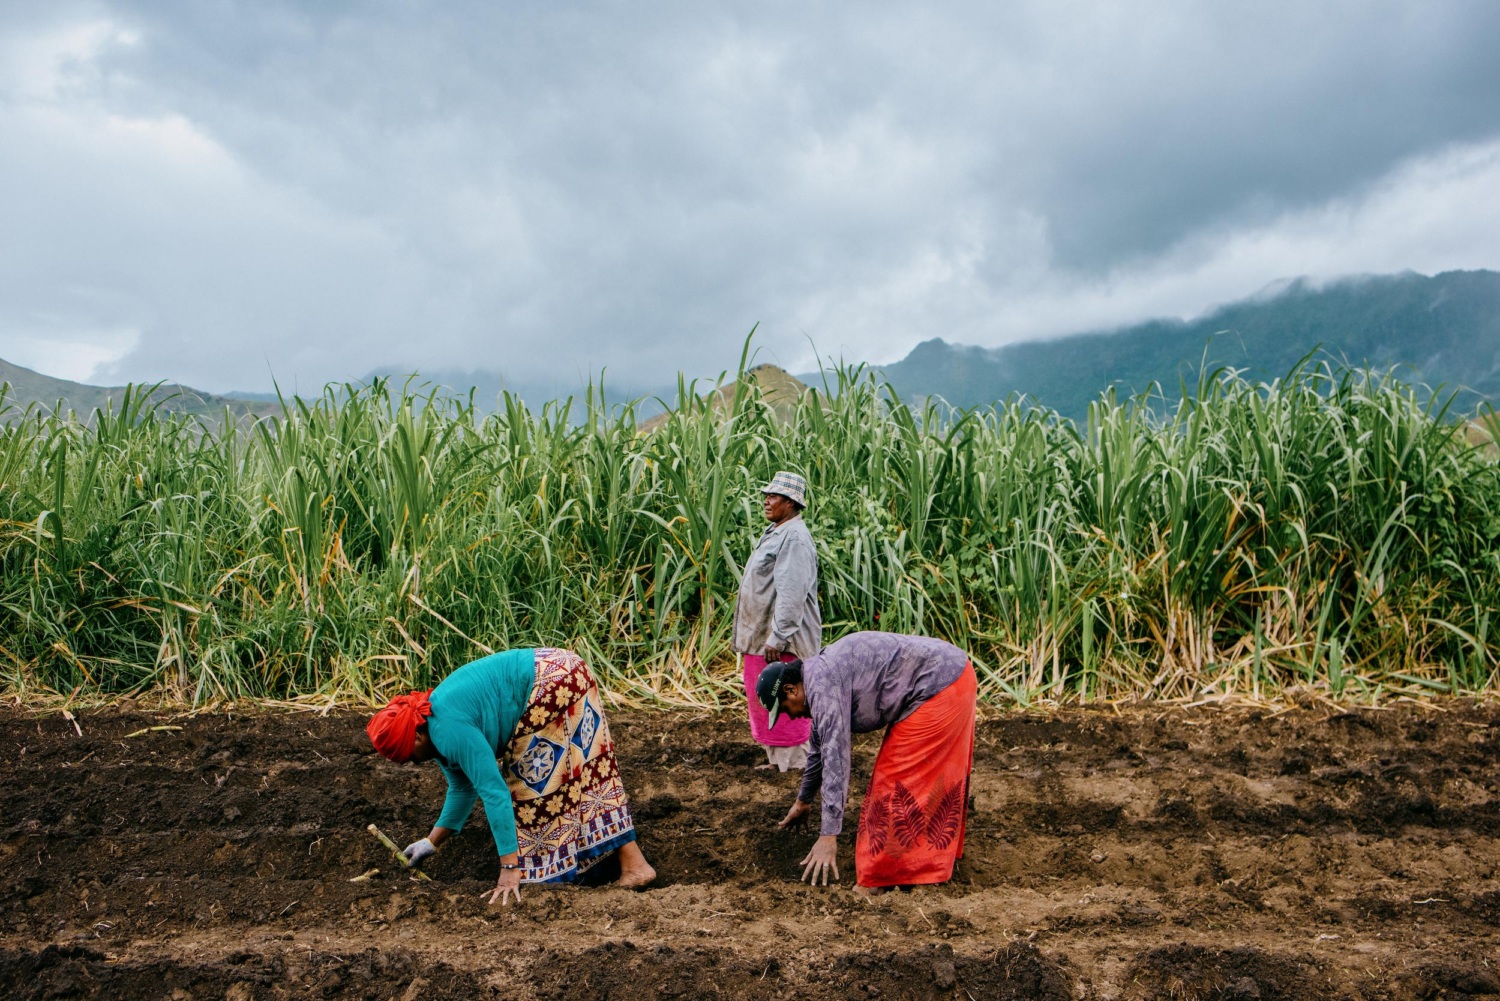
{"x": 635, "y": 871}
{"x": 871, "y": 891}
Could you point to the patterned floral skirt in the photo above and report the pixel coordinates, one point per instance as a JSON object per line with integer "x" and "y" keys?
{"x": 571, "y": 808}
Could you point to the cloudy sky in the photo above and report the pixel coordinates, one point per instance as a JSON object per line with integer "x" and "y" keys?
{"x": 225, "y": 191}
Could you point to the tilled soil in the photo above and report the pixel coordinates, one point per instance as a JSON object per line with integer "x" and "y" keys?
{"x": 1151, "y": 853}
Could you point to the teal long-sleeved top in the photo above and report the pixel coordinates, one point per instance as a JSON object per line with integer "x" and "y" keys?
{"x": 474, "y": 714}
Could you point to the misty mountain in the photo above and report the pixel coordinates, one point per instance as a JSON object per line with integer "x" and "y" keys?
{"x": 26, "y": 387}
{"x": 1441, "y": 331}
{"x": 489, "y": 386}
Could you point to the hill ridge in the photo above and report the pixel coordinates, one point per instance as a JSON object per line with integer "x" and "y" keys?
{"x": 28, "y": 387}
{"x": 1445, "y": 329}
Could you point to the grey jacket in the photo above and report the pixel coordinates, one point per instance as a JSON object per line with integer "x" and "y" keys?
{"x": 778, "y": 600}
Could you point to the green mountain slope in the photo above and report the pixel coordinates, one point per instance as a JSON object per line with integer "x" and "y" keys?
{"x": 779, "y": 389}
{"x": 1442, "y": 330}
{"x": 25, "y": 387}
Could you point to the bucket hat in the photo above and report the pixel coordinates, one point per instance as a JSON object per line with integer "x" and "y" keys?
{"x": 789, "y": 485}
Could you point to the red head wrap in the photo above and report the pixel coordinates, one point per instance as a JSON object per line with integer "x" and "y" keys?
{"x": 393, "y": 730}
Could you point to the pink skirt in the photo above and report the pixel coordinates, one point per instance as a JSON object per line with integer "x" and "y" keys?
{"x": 787, "y": 732}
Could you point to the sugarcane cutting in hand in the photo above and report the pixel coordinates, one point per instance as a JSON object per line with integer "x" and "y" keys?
{"x": 523, "y": 731}
{"x": 405, "y": 856}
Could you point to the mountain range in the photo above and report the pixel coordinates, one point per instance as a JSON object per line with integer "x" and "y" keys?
{"x": 1442, "y": 331}
{"x": 25, "y": 387}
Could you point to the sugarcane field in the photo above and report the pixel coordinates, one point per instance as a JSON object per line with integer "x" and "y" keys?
{"x": 819, "y": 695}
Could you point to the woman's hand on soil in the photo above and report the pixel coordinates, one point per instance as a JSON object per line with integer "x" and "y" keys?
{"x": 822, "y": 860}
{"x": 796, "y": 817}
{"x": 506, "y": 887}
{"x": 419, "y": 850}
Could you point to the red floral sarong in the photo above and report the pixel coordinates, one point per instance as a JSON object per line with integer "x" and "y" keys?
{"x": 911, "y": 828}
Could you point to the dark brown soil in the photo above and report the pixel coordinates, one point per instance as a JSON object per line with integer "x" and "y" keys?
{"x": 1207, "y": 853}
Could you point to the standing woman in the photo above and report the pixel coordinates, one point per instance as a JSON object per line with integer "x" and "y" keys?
{"x": 524, "y": 731}
{"x": 776, "y": 616}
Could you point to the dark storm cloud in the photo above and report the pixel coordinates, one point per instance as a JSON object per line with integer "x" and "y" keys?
{"x": 1267, "y": 108}
{"x": 226, "y": 189}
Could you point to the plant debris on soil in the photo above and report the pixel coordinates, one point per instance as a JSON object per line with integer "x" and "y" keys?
{"x": 1144, "y": 853}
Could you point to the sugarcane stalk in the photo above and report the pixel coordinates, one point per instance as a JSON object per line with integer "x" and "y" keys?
{"x": 151, "y": 729}
{"x": 398, "y": 853}
{"x": 365, "y": 876}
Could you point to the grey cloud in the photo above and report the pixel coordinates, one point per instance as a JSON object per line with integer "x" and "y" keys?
{"x": 1313, "y": 104}
{"x": 536, "y": 188}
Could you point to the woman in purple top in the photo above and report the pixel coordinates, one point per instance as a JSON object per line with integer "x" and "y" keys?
{"x": 923, "y": 691}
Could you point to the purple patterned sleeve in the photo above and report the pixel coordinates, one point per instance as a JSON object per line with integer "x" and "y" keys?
{"x": 835, "y": 741}
{"x": 812, "y": 771}
{"x": 828, "y": 697}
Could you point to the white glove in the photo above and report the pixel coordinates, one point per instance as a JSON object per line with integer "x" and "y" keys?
{"x": 419, "y": 850}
